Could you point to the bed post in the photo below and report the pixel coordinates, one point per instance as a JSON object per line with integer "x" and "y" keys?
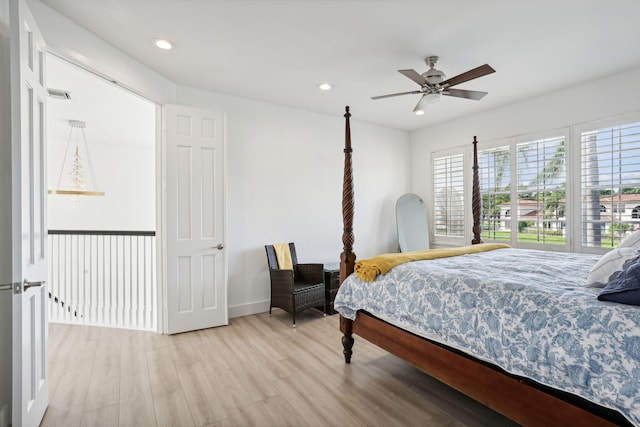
{"x": 476, "y": 201}
{"x": 347, "y": 257}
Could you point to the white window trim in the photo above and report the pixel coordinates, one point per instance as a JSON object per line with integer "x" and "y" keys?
{"x": 465, "y": 239}
{"x": 500, "y": 143}
{"x": 576, "y": 196}
{"x": 572, "y": 134}
{"x": 512, "y": 143}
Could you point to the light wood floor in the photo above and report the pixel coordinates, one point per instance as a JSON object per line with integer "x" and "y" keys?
{"x": 256, "y": 371}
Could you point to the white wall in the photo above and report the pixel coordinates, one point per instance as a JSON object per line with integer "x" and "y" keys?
{"x": 601, "y": 99}
{"x": 284, "y": 168}
{"x": 5, "y": 217}
{"x": 83, "y": 47}
{"x": 121, "y": 137}
{"x": 284, "y": 172}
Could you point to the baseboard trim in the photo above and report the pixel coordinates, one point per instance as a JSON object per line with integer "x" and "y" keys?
{"x": 248, "y": 309}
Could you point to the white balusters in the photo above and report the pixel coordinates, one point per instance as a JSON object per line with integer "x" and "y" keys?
{"x": 103, "y": 278}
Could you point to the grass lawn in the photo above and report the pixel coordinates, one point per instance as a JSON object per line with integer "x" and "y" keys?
{"x": 526, "y": 237}
{"x": 606, "y": 242}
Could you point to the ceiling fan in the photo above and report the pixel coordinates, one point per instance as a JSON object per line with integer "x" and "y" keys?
{"x": 433, "y": 84}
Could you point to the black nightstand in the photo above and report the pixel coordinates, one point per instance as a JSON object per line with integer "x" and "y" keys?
{"x": 331, "y": 283}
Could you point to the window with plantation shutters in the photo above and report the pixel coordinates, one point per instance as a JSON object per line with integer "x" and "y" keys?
{"x": 610, "y": 184}
{"x": 494, "y": 170}
{"x": 541, "y": 191}
{"x": 448, "y": 195}
{"x": 523, "y": 189}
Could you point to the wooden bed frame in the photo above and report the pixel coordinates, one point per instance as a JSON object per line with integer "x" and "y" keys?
{"x": 519, "y": 399}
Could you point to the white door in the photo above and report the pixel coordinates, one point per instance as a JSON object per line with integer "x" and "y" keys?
{"x": 196, "y": 285}
{"x": 29, "y": 231}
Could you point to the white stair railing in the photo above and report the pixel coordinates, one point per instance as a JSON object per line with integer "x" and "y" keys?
{"x": 103, "y": 278}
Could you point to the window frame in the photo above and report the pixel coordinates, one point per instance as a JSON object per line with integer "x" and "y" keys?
{"x": 465, "y": 239}
{"x": 578, "y": 130}
{"x": 512, "y": 143}
{"x": 493, "y": 145}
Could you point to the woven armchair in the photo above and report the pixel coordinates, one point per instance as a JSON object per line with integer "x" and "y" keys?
{"x": 298, "y": 289}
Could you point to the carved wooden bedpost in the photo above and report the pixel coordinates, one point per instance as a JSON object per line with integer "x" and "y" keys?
{"x": 347, "y": 257}
{"x": 476, "y": 201}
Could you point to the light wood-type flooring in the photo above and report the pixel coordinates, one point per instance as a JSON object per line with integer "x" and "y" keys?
{"x": 258, "y": 371}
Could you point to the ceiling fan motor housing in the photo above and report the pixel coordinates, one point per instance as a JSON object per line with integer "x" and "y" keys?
{"x": 432, "y": 75}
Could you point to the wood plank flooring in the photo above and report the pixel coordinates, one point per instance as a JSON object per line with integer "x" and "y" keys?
{"x": 258, "y": 371}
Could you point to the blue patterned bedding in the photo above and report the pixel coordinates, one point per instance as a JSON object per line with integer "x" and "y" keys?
{"x": 526, "y": 311}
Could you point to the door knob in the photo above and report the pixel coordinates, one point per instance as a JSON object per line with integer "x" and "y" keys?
{"x": 219, "y": 247}
{"x": 27, "y": 284}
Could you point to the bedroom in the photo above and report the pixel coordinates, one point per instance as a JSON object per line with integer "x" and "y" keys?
{"x": 259, "y": 130}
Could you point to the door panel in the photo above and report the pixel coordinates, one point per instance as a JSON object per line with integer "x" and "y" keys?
{"x": 196, "y": 263}
{"x": 29, "y": 232}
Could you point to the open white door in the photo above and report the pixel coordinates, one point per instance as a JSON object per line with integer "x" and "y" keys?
{"x": 30, "y": 392}
{"x": 196, "y": 284}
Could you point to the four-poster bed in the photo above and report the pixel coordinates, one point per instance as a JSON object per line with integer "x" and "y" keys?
{"x": 523, "y": 400}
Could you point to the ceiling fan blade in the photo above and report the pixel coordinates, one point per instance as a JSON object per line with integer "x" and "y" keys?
{"x": 480, "y": 71}
{"x": 413, "y": 75}
{"x": 468, "y": 94}
{"x": 396, "y": 94}
{"x": 418, "y": 106}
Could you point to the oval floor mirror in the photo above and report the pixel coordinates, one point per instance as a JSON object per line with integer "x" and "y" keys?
{"x": 412, "y": 223}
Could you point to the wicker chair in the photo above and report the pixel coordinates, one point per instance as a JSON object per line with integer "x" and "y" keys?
{"x": 298, "y": 289}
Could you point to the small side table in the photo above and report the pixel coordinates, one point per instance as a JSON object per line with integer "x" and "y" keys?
{"x": 331, "y": 284}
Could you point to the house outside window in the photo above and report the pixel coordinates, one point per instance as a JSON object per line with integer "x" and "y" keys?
{"x": 610, "y": 184}
{"x": 530, "y": 200}
{"x": 523, "y": 191}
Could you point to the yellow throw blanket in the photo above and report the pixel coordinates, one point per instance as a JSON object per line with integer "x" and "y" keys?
{"x": 283, "y": 254}
{"x": 369, "y": 269}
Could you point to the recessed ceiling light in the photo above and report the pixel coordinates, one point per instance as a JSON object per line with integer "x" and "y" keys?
{"x": 164, "y": 44}
{"x": 419, "y": 112}
{"x": 325, "y": 86}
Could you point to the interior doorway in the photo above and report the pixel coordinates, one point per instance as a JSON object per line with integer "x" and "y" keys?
{"x": 102, "y": 248}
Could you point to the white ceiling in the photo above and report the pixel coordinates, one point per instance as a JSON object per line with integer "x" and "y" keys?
{"x": 279, "y": 50}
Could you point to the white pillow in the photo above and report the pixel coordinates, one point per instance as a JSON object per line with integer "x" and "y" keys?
{"x": 609, "y": 265}
{"x": 632, "y": 240}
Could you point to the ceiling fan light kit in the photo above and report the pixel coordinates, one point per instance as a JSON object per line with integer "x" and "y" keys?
{"x": 433, "y": 84}
{"x": 432, "y": 98}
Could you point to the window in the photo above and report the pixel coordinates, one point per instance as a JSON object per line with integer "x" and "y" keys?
{"x": 494, "y": 170}
{"x": 575, "y": 188}
{"x": 448, "y": 195}
{"x": 528, "y": 205}
{"x": 540, "y": 190}
{"x": 610, "y": 161}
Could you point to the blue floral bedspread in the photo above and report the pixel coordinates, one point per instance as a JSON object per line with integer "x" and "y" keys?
{"x": 526, "y": 311}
